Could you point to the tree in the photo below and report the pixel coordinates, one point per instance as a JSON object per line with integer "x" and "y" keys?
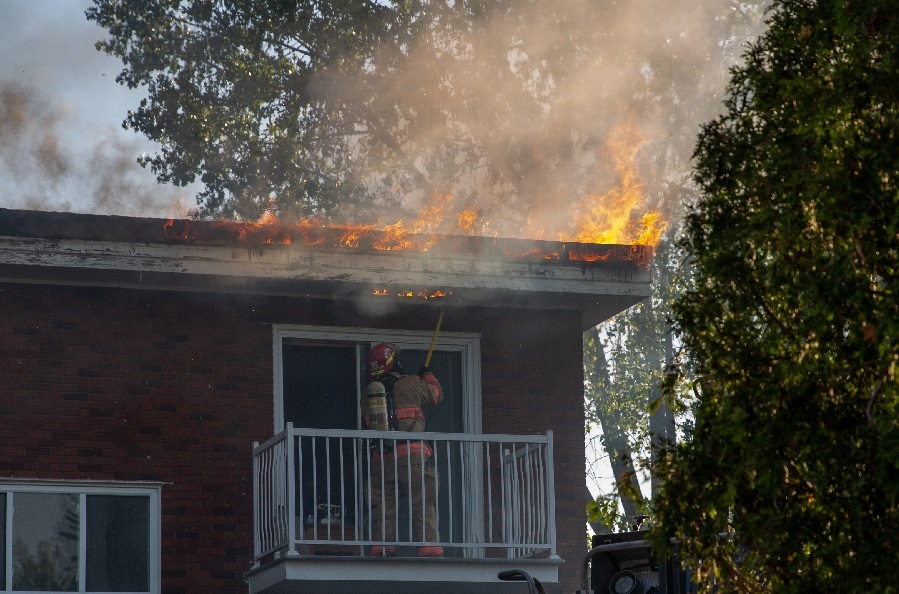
{"x": 346, "y": 109}
{"x": 623, "y": 376}
{"x": 624, "y": 364}
{"x": 790, "y": 480}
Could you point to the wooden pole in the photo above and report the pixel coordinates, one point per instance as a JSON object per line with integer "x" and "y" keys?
{"x": 434, "y": 339}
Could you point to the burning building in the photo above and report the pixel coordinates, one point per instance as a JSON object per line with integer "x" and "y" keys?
{"x": 183, "y": 400}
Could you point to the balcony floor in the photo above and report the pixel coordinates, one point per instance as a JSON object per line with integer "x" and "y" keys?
{"x": 315, "y": 574}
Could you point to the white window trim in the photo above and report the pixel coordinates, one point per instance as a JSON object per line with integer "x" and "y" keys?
{"x": 469, "y": 344}
{"x": 152, "y": 490}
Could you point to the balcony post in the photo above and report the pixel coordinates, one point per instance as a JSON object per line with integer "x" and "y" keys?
{"x": 551, "y": 495}
{"x": 291, "y": 494}
{"x": 257, "y": 545}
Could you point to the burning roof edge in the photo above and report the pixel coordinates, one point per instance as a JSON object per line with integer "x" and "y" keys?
{"x": 66, "y": 248}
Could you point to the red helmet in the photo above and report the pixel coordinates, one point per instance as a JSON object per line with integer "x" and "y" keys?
{"x": 382, "y": 359}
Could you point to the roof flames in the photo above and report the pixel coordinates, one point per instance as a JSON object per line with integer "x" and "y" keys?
{"x": 368, "y": 238}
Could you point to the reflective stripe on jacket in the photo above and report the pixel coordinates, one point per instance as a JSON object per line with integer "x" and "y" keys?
{"x": 402, "y": 448}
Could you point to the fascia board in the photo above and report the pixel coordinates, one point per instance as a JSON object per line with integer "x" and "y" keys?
{"x": 301, "y": 263}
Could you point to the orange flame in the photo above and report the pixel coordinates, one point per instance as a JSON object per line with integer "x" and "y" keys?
{"x": 609, "y": 218}
{"x": 615, "y": 217}
{"x": 467, "y": 220}
{"x": 438, "y": 294}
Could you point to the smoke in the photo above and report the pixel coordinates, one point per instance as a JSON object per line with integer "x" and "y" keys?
{"x": 42, "y": 169}
{"x": 516, "y": 111}
{"x": 517, "y": 105}
{"x": 61, "y": 148}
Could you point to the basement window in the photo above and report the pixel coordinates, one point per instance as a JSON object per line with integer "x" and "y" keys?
{"x": 64, "y": 537}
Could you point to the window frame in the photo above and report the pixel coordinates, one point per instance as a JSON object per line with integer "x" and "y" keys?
{"x": 468, "y": 343}
{"x": 151, "y": 490}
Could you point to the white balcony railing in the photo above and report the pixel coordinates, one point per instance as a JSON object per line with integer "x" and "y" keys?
{"x": 494, "y": 495}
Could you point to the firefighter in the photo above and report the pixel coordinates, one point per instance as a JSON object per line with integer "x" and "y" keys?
{"x": 399, "y": 471}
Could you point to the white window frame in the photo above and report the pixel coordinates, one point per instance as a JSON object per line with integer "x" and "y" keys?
{"x": 84, "y": 488}
{"x": 468, "y": 344}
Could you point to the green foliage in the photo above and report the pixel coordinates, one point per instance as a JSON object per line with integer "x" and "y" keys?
{"x": 229, "y": 94}
{"x": 604, "y": 509}
{"x": 624, "y": 363}
{"x": 793, "y": 319}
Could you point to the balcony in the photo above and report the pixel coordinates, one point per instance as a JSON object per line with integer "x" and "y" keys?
{"x": 315, "y": 525}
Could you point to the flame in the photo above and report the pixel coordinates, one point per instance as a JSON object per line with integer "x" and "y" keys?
{"x": 615, "y": 217}
{"x": 420, "y": 234}
{"x": 588, "y": 256}
{"x": 268, "y": 218}
{"x": 438, "y": 294}
{"x": 467, "y": 220}
{"x": 539, "y": 254}
{"x": 609, "y": 218}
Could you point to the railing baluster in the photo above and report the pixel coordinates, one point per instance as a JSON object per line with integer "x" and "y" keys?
{"x": 452, "y": 505}
{"x": 409, "y": 512}
{"x": 489, "y": 503}
{"x": 357, "y": 493}
{"x": 462, "y": 483}
{"x": 301, "y": 512}
{"x": 504, "y": 488}
{"x": 327, "y": 518}
{"x": 314, "y": 502}
{"x": 436, "y": 495}
{"x": 396, "y": 493}
{"x": 368, "y": 500}
{"x": 424, "y": 493}
{"x": 529, "y": 496}
{"x": 342, "y": 486}
{"x": 286, "y": 472}
{"x": 515, "y": 534}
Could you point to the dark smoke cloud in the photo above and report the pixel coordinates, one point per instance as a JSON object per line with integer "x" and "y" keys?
{"x": 41, "y": 168}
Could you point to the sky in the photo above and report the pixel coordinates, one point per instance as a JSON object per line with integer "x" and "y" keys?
{"x": 58, "y": 95}
{"x": 49, "y": 44}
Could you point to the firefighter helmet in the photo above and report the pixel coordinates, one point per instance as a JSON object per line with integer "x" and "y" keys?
{"x": 382, "y": 359}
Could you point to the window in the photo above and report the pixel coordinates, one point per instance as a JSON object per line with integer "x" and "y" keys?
{"x": 319, "y": 376}
{"x": 65, "y": 537}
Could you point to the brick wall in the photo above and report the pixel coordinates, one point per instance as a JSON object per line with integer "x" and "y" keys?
{"x": 533, "y": 382}
{"x": 109, "y": 384}
{"x": 115, "y": 385}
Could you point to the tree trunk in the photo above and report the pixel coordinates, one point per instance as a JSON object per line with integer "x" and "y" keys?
{"x": 614, "y": 439}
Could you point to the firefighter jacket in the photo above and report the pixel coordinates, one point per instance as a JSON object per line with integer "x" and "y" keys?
{"x": 410, "y": 394}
